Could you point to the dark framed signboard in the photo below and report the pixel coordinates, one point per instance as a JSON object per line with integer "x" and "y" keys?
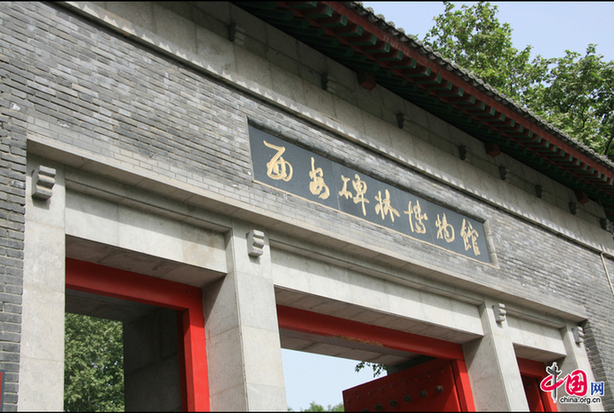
{"x": 296, "y": 170}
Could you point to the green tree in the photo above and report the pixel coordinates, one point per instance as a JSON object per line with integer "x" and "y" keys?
{"x": 473, "y": 38}
{"x": 377, "y": 368}
{"x": 578, "y": 98}
{"x": 314, "y": 407}
{"x": 94, "y": 366}
{"x": 575, "y": 93}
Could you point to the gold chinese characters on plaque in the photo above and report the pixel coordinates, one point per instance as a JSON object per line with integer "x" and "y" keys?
{"x": 301, "y": 172}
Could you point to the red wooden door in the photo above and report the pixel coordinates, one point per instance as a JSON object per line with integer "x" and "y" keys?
{"x": 534, "y": 397}
{"x": 532, "y": 373}
{"x": 427, "y": 387}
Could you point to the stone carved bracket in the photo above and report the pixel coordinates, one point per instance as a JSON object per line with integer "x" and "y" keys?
{"x": 236, "y": 34}
{"x": 500, "y": 312}
{"x": 578, "y": 334}
{"x": 329, "y": 83}
{"x": 504, "y": 173}
{"x": 539, "y": 191}
{"x": 403, "y": 121}
{"x": 43, "y": 180}
{"x": 606, "y": 224}
{"x": 255, "y": 243}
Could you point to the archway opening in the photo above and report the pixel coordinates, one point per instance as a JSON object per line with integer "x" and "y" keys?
{"x": 120, "y": 355}
{"x": 426, "y": 374}
{"x": 164, "y": 340}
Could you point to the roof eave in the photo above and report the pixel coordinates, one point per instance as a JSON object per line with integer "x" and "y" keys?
{"x": 367, "y": 44}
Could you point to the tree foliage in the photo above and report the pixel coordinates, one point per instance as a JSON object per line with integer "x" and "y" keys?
{"x": 315, "y": 407}
{"x": 578, "y": 97}
{"x": 377, "y": 368}
{"x": 94, "y": 367}
{"x": 473, "y": 38}
{"x": 574, "y": 92}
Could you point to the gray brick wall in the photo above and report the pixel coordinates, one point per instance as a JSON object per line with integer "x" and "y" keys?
{"x": 63, "y": 77}
{"x": 12, "y": 196}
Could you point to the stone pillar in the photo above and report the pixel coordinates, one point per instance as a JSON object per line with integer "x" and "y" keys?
{"x": 151, "y": 363}
{"x": 243, "y": 344}
{"x": 491, "y": 363}
{"x": 41, "y": 370}
{"x": 573, "y": 339}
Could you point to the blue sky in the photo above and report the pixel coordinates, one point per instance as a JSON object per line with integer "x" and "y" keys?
{"x": 551, "y": 28}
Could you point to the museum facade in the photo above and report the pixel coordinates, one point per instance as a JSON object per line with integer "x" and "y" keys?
{"x": 231, "y": 179}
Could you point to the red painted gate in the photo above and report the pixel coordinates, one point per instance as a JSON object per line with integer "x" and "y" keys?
{"x": 534, "y": 398}
{"x": 429, "y": 386}
{"x": 533, "y": 372}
